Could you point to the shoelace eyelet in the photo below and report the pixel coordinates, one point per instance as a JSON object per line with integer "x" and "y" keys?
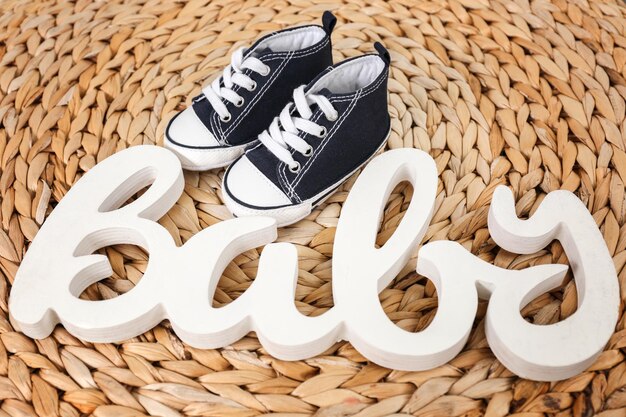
{"x": 308, "y": 152}
{"x": 266, "y": 72}
{"x": 240, "y": 102}
{"x": 323, "y": 132}
{"x": 253, "y": 87}
{"x": 296, "y": 168}
{"x": 225, "y": 119}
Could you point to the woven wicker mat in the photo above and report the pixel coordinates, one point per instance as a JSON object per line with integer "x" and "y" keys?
{"x": 530, "y": 95}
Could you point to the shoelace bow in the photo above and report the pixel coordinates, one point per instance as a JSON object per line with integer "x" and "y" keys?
{"x": 232, "y": 76}
{"x": 282, "y": 135}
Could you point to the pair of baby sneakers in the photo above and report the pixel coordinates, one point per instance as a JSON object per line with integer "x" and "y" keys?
{"x": 292, "y": 125}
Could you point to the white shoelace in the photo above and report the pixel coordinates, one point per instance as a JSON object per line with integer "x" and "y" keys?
{"x": 279, "y": 139}
{"x": 233, "y": 75}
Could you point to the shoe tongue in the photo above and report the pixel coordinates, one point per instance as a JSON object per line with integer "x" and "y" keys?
{"x": 259, "y": 52}
{"x": 324, "y": 92}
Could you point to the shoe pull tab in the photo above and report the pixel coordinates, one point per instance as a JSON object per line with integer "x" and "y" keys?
{"x": 328, "y": 21}
{"x": 382, "y": 52}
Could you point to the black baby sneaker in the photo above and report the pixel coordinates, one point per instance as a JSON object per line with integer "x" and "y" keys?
{"x": 332, "y": 127}
{"x": 236, "y": 107}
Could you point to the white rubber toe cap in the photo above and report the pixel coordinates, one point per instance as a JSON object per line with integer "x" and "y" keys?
{"x": 247, "y": 185}
{"x": 186, "y": 129}
{"x": 195, "y": 145}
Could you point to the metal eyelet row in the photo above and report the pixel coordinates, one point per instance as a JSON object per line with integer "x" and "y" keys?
{"x": 309, "y": 152}
{"x": 241, "y": 102}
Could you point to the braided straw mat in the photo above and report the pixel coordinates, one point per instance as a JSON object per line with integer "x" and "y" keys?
{"x": 527, "y": 94}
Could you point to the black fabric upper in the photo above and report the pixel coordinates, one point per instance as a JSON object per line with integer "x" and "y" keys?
{"x": 288, "y": 70}
{"x": 360, "y": 130}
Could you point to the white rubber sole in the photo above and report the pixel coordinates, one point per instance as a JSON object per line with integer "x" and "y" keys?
{"x": 204, "y": 159}
{"x": 293, "y": 213}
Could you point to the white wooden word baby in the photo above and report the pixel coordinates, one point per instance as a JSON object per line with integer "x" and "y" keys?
{"x": 179, "y": 282}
